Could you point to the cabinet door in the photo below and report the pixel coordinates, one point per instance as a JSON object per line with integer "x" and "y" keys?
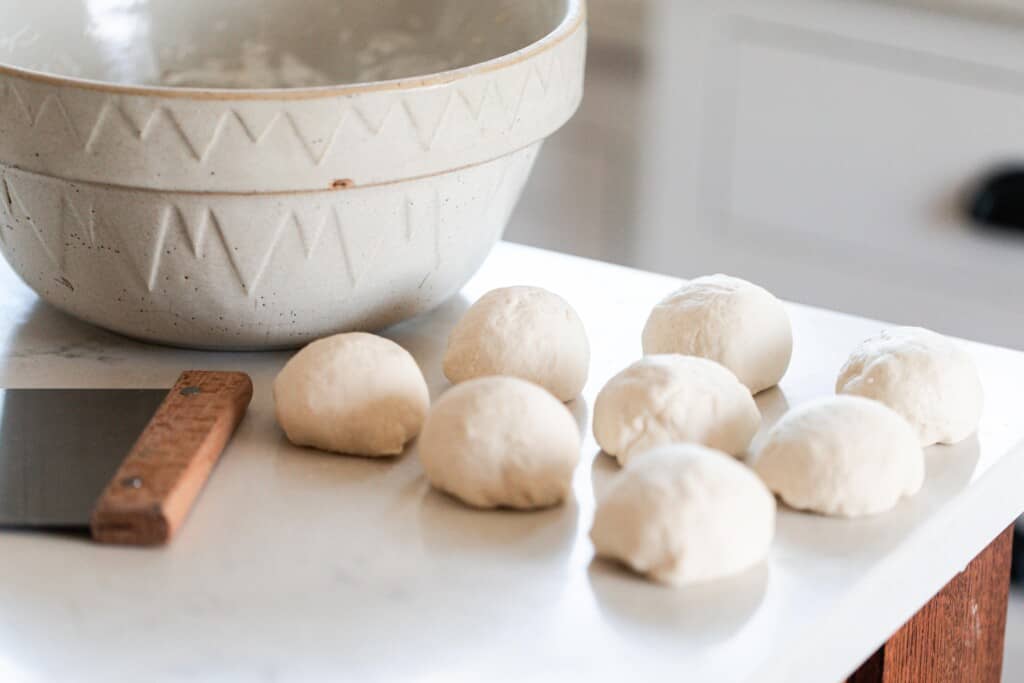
{"x": 824, "y": 149}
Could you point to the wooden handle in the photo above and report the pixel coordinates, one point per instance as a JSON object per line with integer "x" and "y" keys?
{"x": 152, "y": 492}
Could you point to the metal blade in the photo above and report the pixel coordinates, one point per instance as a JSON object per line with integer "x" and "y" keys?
{"x": 60, "y": 447}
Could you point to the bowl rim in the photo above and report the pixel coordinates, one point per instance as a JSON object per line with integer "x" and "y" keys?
{"x": 575, "y": 17}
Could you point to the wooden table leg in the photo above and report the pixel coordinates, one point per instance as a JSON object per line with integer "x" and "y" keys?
{"x": 958, "y": 635}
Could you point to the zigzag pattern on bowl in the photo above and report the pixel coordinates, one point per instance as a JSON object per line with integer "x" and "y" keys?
{"x": 271, "y": 270}
{"x": 374, "y": 136}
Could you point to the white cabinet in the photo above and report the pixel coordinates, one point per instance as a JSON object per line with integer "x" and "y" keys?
{"x": 824, "y": 149}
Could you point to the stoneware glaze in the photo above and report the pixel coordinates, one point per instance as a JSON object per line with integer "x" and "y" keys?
{"x": 232, "y": 175}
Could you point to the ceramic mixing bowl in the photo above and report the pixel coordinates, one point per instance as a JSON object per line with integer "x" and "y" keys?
{"x": 233, "y": 174}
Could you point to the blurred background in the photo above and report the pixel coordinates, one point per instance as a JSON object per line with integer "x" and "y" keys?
{"x": 827, "y": 150}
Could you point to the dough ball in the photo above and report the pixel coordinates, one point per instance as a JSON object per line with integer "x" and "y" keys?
{"x": 352, "y": 393}
{"x": 671, "y": 398}
{"x": 524, "y": 332}
{"x": 501, "y": 442}
{"x": 925, "y": 377}
{"x": 728, "y": 320}
{"x": 845, "y": 456}
{"x": 685, "y": 513}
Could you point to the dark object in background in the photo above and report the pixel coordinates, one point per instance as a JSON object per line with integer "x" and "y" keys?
{"x": 999, "y": 200}
{"x": 1017, "y": 568}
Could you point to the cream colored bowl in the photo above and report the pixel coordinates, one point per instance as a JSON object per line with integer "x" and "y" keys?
{"x": 190, "y": 172}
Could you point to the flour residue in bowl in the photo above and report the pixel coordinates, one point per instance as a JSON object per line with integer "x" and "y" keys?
{"x": 397, "y": 54}
{"x": 384, "y": 56}
{"x": 257, "y": 68}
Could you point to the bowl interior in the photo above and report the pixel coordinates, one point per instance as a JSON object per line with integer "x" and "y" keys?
{"x": 266, "y": 43}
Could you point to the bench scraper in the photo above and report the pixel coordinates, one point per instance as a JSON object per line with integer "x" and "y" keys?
{"x": 125, "y": 463}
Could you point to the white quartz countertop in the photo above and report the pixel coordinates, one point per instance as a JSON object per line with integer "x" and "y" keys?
{"x": 301, "y": 566}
